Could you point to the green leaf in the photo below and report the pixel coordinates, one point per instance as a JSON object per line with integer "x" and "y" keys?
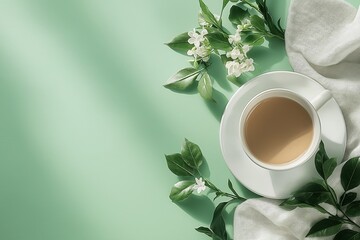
{"x": 258, "y": 23}
{"x": 274, "y": 29}
{"x": 218, "y": 40}
{"x": 224, "y": 59}
{"x": 347, "y": 198}
{"x": 191, "y": 154}
{"x": 350, "y": 174}
{"x": 215, "y": 237}
{"x": 218, "y": 224}
{"x": 347, "y": 234}
{"x": 322, "y": 149}
{"x": 279, "y": 26}
{"x": 329, "y": 167}
{"x": 353, "y": 209}
{"x": 237, "y": 14}
{"x": 178, "y": 166}
{"x": 331, "y": 199}
{"x": 292, "y": 203}
{"x": 324, "y": 165}
{"x": 225, "y": 2}
{"x": 313, "y": 193}
{"x": 194, "y": 63}
{"x": 230, "y": 185}
{"x": 254, "y": 39}
{"x": 319, "y": 160}
{"x": 205, "y": 87}
{"x": 180, "y": 43}
{"x": 325, "y": 227}
{"x": 208, "y": 16}
{"x": 232, "y": 78}
{"x": 182, "y": 79}
{"x": 181, "y": 190}
{"x": 205, "y": 230}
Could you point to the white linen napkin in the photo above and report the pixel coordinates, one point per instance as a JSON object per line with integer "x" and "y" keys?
{"x": 263, "y": 219}
{"x": 322, "y": 42}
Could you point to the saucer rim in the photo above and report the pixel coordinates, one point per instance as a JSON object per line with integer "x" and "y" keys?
{"x": 225, "y": 116}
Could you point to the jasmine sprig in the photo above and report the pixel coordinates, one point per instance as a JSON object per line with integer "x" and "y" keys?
{"x": 270, "y": 29}
{"x": 187, "y": 165}
{"x": 253, "y": 24}
{"x": 319, "y": 194}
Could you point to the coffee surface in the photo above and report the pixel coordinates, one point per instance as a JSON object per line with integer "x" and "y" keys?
{"x": 278, "y": 130}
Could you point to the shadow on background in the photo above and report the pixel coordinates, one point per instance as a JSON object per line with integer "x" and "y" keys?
{"x": 264, "y": 59}
{"x": 218, "y": 72}
{"x": 217, "y": 108}
{"x": 192, "y": 89}
{"x": 202, "y": 209}
{"x": 84, "y": 38}
{"x": 198, "y": 207}
{"x": 30, "y": 195}
{"x": 243, "y": 191}
{"x": 204, "y": 169}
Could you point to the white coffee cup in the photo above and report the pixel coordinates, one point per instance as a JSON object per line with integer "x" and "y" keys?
{"x": 310, "y": 106}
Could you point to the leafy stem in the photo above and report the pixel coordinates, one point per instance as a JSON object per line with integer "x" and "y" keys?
{"x": 274, "y": 28}
{"x": 338, "y": 207}
{"x": 332, "y": 194}
{"x": 253, "y": 25}
{"x": 269, "y": 34}
{"x": 252, "y": 5}
{"x": 313, "y": 194}
{"x": 220, "y": 192}
{"x": 348, "y": 219}
{"x": 186, "y": 165}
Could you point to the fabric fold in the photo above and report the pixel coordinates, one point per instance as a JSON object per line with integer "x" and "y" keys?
{"x": 323, "y": 42}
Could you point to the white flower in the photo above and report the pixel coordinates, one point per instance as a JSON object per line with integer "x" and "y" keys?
{"x": 202, "y": 52}
{"x": 200, "y": 185}
{"x": 235, "y": 54}
{"x": 248, "y": 65}
{"x": 234, "y": 68}
{"x": 203, "y": 32}
{"x": 239, "y": 28}
{"x": 196, "y": 38}
{"x": 192, "y": 52}
{"x": 246, "y": 48}
{"x": 236, "y": 38}
{"x": 246, "y": 23}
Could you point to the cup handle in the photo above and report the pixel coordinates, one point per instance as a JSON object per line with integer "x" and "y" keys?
{"x": 321, "y": 99}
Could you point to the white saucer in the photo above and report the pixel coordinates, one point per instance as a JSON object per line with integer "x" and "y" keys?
{"x": 278, "y": 184}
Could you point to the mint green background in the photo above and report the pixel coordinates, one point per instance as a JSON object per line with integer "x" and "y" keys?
{"x": 85, "y": 121}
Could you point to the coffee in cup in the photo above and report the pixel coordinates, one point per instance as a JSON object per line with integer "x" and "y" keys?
{"x": 281, "y": 129}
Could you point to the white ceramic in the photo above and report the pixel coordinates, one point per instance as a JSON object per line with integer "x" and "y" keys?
{"x": 311, "y": 107}
{"x": 271, "y": 183}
